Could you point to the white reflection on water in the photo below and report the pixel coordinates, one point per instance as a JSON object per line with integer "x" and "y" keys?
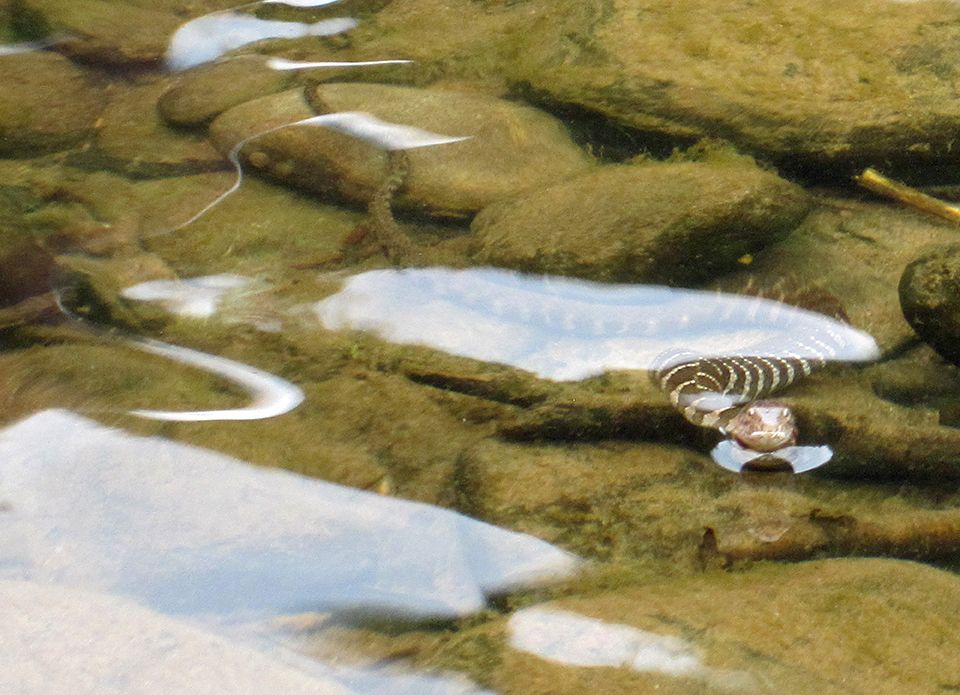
{"x": 57, "y": 640}
{"x": 145, "y": 557}
{"x": 194, "y": 297}
{"x": 359, "y": 124}
{"x": 208, "y": 37}
{"x": 188, "y": 531}
{"x": 9, "y": 49}
{"x": 272, "y": 396}
{"x": 284, "y": 64}
{"x": 565, "y": 329}
{"x": 732, "y": 456}
{"x": 573, "y": 639}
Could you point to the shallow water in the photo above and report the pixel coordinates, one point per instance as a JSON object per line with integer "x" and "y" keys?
{"x": 327, "y": 333}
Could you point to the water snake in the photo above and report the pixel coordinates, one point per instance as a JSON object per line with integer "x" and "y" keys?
{"x": 728, "y": 393}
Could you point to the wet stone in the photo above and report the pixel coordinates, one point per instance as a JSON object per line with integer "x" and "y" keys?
{"x": 816, "y": 85}
{"x": 856, "y": 252}
{"x": 114, "y": 33}
{"x": 200, "y": 94}
{"x": 513, "y": 148}
{"x": 133, "y": 140}
{"x": 46, "y": 104}
{"x": 658, "y": 504}
{"x": 930, "y": 298}
{"x": 738, "y": 632}
{"x": 672, "y": 222}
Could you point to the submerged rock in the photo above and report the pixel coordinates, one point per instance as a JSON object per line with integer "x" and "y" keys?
{"x": 740, "y": 632}
{"x": 930, "y": 299}
{"x": 115, "y": 33}
{"x": 837, "y": 84}
{"x": 513, "y": 148}
{"x": 856, "y": 252}
{"x": 659, "y": 503}
{"x": 134, "y": 141}
{"x": 668, "y": 222}
{"x": 46, "y": 104}
{"x": 200, "y": 94}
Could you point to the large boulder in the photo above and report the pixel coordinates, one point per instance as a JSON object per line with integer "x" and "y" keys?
{"x": 832, "y": 82}
{"x": 99, "y": 31}
{"x": 512, "y": 148}
{"x": 666, "y": 222}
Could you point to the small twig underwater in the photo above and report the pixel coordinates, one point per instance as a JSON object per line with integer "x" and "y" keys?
{"x": 874, "y": 181}
{"x": 358, "y": 124}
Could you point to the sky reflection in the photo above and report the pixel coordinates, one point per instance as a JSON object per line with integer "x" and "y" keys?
{"x": 208, "y": 37}
{"x": 570, "y": 638}
{"x": 189, "y": 531}
{"x": 565, "y": 329}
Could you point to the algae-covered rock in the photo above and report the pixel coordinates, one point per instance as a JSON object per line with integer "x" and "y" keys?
{"x": 930, "y": 299}
{"x": 666, "y": 222}
{"x": 513, "y": 148}
{"x": 825, "y": 83}
{"x": 855, "y": 251}
{"x": 133, "y": 139}
{"x": 818, "y": 628}
{"x": 198, "y": 95}
{"x": 115, "y": 33}
{"x": 46, "y": 104}
{"x": 664, "y": 505}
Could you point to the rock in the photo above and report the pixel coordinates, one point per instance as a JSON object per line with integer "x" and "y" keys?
{"x": 819, "y": 87}
{"x": 200, "y": 94}
{"x": 134, "y": 141}
{"x": 930, "y": 299}
{"x": 669, "y": 222}
{"x": 47, "y": 104}
{"x": 113, "y": 33}
{"x": 856, "y": 252}
{"x": 887, "y": 624}
{"x": 26, "y": 269}
{"x": 273, "y": 228}
{"x": 513, "y": 148}
{"x": 658, "y": 503}
{"x": 872, "y": 437}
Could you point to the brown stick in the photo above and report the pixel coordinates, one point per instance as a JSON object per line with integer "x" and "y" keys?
{"x": 873, "y": 180}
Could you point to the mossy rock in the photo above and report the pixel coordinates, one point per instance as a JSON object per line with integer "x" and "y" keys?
{"x": 513, "y": 148}
{"x": 47, "y": 104}
{"x": 930, "y": 299}
{"x": 829, "y": 83}
{"x": 99, "y": 31}
{"x": 808, "y": 629}
{"x": 668, "y": 222}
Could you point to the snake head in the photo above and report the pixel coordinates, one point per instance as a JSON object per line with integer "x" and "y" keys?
{"x": 763, "y": 426}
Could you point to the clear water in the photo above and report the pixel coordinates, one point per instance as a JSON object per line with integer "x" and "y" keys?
{"x": 282, "y": 411}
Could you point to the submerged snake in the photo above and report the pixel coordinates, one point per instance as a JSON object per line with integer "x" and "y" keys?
{"x": 726, "y": 393}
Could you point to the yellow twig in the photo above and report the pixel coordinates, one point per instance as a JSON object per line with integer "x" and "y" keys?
{"x": 873, "y": 180}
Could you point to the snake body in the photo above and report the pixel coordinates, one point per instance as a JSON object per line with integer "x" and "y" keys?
{"x": 726, "y": 392}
